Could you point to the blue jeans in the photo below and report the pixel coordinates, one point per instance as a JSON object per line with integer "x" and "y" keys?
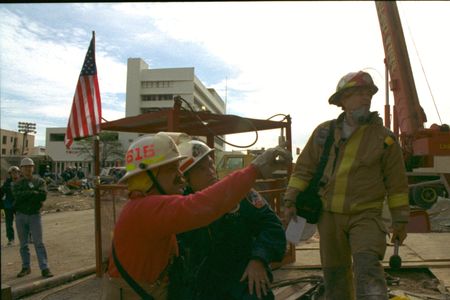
{"x": 26, "y": 224}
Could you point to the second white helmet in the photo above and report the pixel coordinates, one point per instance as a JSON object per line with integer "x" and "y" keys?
{"x": 149, "y": 152}
{"x": 194, "y": 151}
{"x": 26, "y": 162}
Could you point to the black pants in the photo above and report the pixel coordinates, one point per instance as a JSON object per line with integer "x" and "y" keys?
{"x": 9, "y": 221}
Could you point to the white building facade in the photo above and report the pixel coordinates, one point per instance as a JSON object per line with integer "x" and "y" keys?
{"x": 154, "y": 89}
{"x": 64, "y": 158}
{"x": 74, "y": 157}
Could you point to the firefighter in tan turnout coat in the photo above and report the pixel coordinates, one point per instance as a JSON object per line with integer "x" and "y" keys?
{"x": 365, "y": 167}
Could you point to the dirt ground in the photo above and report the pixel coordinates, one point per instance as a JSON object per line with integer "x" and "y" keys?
{"x": 69, "y": 232}
{"x": 57, "y": 202}
{"x": 68, "y": 235}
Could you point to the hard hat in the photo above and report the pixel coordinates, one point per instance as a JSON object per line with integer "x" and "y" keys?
{"x": 26, "y": 162}
{"x": 194, "y": 152}
{"x": 149, "y": 152}
{"x": 13, "y": 168}
{"x": 352, "y": 80}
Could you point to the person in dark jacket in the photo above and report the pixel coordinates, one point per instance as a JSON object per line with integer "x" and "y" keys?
{"x": 230, "y": 258}
{"x": 29, "y": 193}
{"x": 8, "y": 203}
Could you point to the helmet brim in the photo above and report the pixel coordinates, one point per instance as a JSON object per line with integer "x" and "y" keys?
{"x": 336, "y": 97}
{"x": 199, "y": 159}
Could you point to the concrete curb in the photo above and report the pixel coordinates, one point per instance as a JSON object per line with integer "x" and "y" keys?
{"x": 44, "y": 284}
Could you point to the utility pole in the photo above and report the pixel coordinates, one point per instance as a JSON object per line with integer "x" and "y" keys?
{"x": 26, "y": 128}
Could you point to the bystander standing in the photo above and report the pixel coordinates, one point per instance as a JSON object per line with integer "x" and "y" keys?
{"x": 8, "y": 203}
{"x": 29, "y": 193}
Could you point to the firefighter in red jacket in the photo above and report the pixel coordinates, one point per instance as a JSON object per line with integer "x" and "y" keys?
{"x": 365, "y": 167}
{"x": 144, "y": 241}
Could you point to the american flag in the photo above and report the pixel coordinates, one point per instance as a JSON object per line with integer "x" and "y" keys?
{"x": 86, "y": 113}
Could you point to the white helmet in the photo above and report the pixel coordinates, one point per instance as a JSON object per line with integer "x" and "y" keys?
{"x": 27, "y": 162}
{"x": 194, "y": 152}
{"x": 149, "y": 152}
{"x": 13, "y": 168}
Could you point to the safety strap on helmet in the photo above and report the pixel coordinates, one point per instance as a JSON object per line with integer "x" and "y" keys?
{"x": 155, "y": 181}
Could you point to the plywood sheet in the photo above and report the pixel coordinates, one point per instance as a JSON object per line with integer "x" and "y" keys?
{"x": 405, "y": 252}
{"x": 432, "y": 246}
{"x": 443, "y": 274}
{"x": 419, "y": 250}
{"x": 306, "y": 259}
{"x": 292, "y": 292}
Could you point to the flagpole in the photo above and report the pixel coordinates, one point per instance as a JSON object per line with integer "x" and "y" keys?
{"x": 97, "y": 210}
{"x": 97, "y": 207}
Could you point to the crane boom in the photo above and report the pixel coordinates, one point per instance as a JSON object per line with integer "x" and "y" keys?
{"x": 423, "y": 148}
{"x": 411, "y": 116}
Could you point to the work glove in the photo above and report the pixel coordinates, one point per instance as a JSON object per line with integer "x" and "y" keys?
{"x": 400, "y": 218}
{"x": 271, "y": 160}
{"x": 290, "y": 210}
{"x": 398, "y": 232}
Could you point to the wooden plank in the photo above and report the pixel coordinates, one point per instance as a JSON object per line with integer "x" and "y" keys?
{"x": 307, "y": 258}
{"x": 422, "y": 264}
{"x": 430, "y": 246}
{"x": 406, "y": 265}
{"x": 288, "y": 274}
{"x": 292, "y": 292}
{"x": 310, "y": 258}
{"x": 419, "y": 250}
{"x": 443, "y": 274}
{"x": 406, "y": 253}
{"x": 312, "y": 243}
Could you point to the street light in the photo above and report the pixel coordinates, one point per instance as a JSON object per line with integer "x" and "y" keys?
{"x": 26, "y": 128}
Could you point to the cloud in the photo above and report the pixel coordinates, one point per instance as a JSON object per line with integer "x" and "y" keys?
{"x": 263, "y": 57}
{"x": 40, "y": 74}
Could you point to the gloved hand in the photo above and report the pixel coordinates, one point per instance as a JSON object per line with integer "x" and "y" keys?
{"x": 398, "y": 232}
{"x": 267, "y": 162}
{"x": 289, "y": 213}
{"x": 290, "y": 210}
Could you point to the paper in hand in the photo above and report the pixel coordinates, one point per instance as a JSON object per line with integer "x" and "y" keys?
{"x": 295, "y": 229}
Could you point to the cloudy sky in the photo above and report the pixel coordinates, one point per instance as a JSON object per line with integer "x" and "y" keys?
{"x": 265, "y": 58}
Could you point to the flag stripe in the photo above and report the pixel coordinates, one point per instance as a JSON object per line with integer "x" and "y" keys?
{"x": 82, "y": 95}
{"x": 75, "y": 119}
{"x": 84, "y": 107}
{"x": 86, "y": 113}
{"x": 80, "y": 112}
{"x": 98, "y": 105}
{"x": 95, "y": 119}
{"x": 90, "y": 105}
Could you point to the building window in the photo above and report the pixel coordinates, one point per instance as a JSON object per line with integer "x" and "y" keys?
{"x": 11, "y": 139}
{"x": 3, "y": 151}
{"x": 4, "y": 140}
{"x": 156, "y": 84}
{"x": 57, "y": 137}
{"x": 161, "y": 97}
